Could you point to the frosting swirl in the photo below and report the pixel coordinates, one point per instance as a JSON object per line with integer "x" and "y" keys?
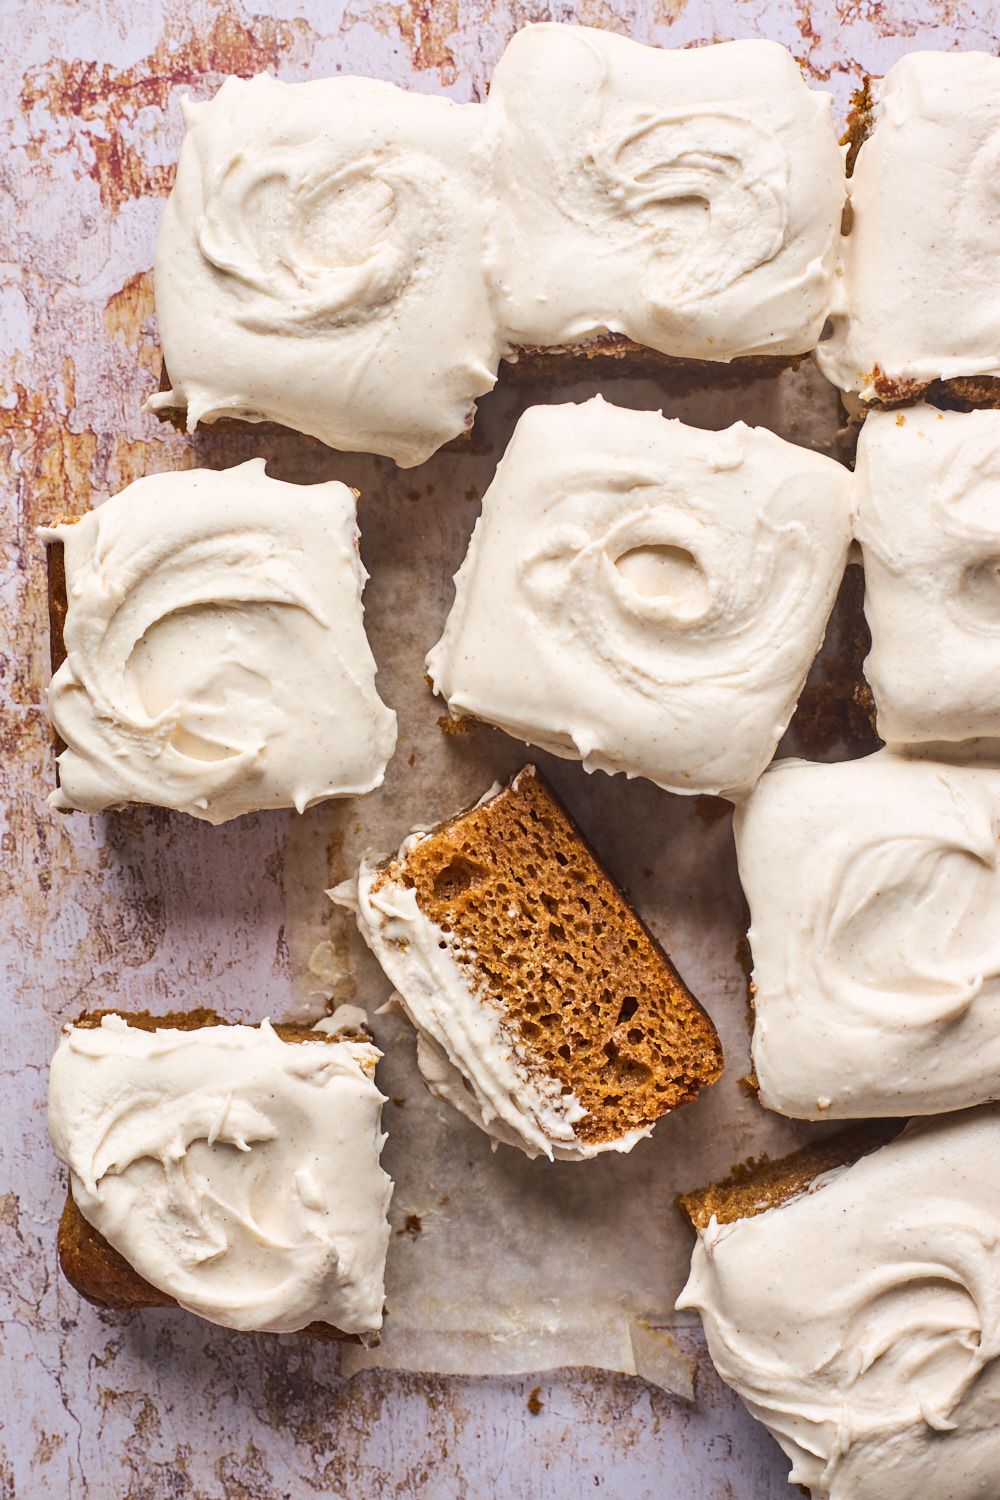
{"x": 687, "y": 199}
{"x": 645, "y": 596}
{"x": 216, "y": 657}
{"x": 343, "y": 212}
{"x": 873, "y": 888}
{"x": 861, "y": 1322}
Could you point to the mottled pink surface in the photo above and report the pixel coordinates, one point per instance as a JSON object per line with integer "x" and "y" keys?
{"x": 146, "y": 908}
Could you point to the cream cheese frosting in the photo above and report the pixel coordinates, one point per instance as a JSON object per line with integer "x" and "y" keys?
{"x": 234, "y": 1171}
{"x": 320, "y": 264}
{"x": 216, "y": 660}
{"x": 466, "y": 1052}
{"x": 874, "y": 893}
{"x": 861, "y": 1322}
{"x": 689, "y": 199}
{"x": 644, "y": 596}
{"x": 918, "y": 294}
{"x": 928, "y": 491}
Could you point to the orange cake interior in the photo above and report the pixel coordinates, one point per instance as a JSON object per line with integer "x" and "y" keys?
{"x": 535, "y": 921}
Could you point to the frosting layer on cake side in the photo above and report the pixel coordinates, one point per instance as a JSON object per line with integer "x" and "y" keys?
{"x": 861, "y": 1322}
{"x": 216, "y": 660}
{"x": 546, "y": 1012}
{"x": 644, "y": 596}
{"x": 234, "y": 1171}
{"x": 918, "y": 296}
{"x": 928, "y": 491}
{"x": 320, "y": 264}
{"x": 467, "y": 1053}
{"x": 874, "y": 893}
{"x": 689, "y": 199}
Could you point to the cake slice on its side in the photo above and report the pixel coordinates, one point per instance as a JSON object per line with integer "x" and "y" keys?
{"x": 547, "y": 1013}
{"x": 230, "y": 1170}
{"x": 850, "y": 1295}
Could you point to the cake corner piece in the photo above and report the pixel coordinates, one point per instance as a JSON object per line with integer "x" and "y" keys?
{"x": 127, "y": 1242}
{"x": 753, "y": 1187}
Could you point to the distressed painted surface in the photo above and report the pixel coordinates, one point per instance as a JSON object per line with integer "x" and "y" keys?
{"x": 145, "y": 908}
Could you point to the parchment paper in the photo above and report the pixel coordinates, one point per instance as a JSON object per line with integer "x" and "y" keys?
{"x": 497, "y": 1264}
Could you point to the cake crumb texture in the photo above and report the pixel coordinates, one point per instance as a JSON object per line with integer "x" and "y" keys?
{"x": 957, "y": 393}
{"x": 757, "y": 1186}
{"x": 860, "y": 122}
{"x": 537, "y": 923}
{"x": 610, "y": 355}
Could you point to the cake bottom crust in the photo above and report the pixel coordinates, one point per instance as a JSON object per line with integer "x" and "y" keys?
{"x": 959, "y": 393}
{"x": 105, "y": 1278}
{"x": 754, "y": 1188}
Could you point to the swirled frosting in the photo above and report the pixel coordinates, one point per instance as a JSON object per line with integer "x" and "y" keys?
{"x": 646, "y": 597}
{"x": 466, "y": 1051}
{"x": 861, "y": 1322}
{"x": 687, "y": 199}
{"x": 216, "y": 660}
{"x": 234, "y": 1171}
{"x": 874, "y": 892}
{"x": 928, "y": 488}
{"x": 919, "y": 290}
{"x": 320, "y": 264}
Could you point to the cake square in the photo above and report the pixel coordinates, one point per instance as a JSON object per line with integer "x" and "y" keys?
{"x": 928, "y": 490}
{"x": 214, "y": 658}
{"x": 230, "y": 1170}
{"x": 319, "y": 264}
{"x": 920, "y": 261}
{"x": 874, "y": 893}
{"x": 857, "y": 1318}
{"x": 688, "y": 199}
{"x": 644, "y": 596}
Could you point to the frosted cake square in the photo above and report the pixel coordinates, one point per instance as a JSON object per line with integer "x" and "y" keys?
{"x": 214, "y": 658}
{"x": 229, "y": 1170}
{"x": 874, "y": 893}
{"x": 918, "y": 297}
{"x": 928, "y": 494}
{"x": 687, "y": 199}
{"x": 856, "y": 1313}
{"x": 644, "y": 596}
{"x": 320, "y": 265}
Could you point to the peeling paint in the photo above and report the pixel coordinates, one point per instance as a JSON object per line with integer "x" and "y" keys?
{"x": 146, "y": 909}
{"x": 429, "y": 29}
{"x": 103, "y": 105}
{"x": 129, "y": 313}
